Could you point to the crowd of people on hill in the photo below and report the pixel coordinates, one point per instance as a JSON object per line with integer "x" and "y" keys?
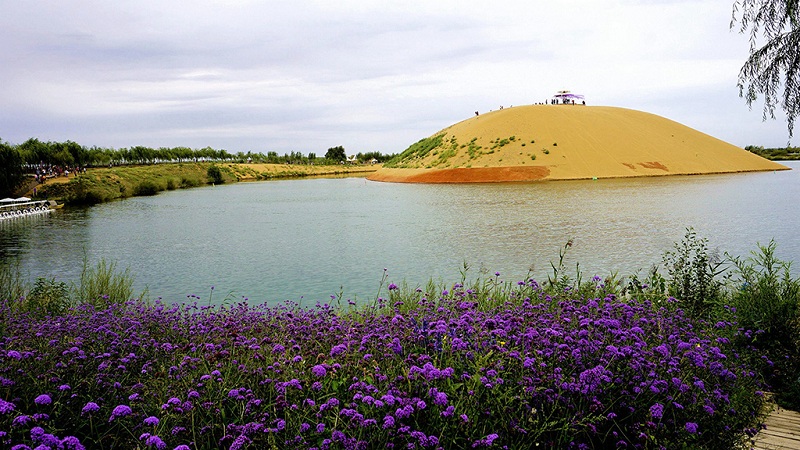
{"x": 43, "y": 171}
{"x": 553, "y": 101}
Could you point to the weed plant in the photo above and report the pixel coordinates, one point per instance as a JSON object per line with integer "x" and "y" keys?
{"x": 104, "y": 284}
{"x": 694, "y": 274}
{"x": 12, "y": 281}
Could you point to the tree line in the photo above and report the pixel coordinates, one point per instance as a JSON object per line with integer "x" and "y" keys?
{"x": 775, "y": 154}
{"x": 16, "y": 160}
{"x": 68, "y": 153}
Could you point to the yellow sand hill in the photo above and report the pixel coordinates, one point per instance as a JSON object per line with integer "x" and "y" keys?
{"x": 564, "y": 142}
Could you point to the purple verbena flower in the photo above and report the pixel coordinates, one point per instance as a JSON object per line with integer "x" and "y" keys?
{"x": 120, "y": 411}
{"x": 657, "y": 411}
{"x": 6, "y": 407}
{"x": 20, "y": 421}
{"x": 151, "y": 421}
{"x": 89, "y": 408}
{"x": 72, "y": 443}
{"x": 157, "y": 442}
{"x": 338, "y": 350}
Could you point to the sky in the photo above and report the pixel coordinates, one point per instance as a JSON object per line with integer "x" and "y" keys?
{"x": 371, "y": 75}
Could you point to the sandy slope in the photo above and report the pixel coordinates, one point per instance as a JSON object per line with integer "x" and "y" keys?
{"x": 560, "y": 142}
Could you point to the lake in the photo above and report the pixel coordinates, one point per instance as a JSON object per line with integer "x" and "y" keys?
{"x": 307, "y": 239}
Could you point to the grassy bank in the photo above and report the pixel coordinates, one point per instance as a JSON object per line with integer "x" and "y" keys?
{"x": 105, "y": 184}
{"x": 672, "y": 361}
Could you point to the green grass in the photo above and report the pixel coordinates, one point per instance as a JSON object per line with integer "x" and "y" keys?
{"x": 412, "y": 156}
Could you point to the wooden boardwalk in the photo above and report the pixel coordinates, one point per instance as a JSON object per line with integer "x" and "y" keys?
{"x": 782, "y": 433}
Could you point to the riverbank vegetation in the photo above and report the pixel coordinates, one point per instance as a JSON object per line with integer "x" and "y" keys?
{"x": 34, "y": 157}
{"x": 106, "y": 184}
{"x": 100, "y": 185}
{"x": 679, "y": 357}
{"x": 775, "y": 154}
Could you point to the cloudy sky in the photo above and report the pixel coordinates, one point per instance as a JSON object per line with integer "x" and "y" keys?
{"x": 369, "y": 75}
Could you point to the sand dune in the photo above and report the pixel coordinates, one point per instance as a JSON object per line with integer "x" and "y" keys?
{"x": 563, "y": 142}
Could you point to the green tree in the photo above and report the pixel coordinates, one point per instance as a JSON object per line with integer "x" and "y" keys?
{"x": 776, "y": 64}
{"x": 35, "y": 151}
{"x": 336, "y": 154}
{"x": 79, "y": 154}
{"x": 12, "y": 172}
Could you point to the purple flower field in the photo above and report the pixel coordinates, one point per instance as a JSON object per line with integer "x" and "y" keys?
{"x": 416, "y": 370}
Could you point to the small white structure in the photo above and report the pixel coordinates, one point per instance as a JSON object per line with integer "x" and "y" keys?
{"x": 567, "y": 97}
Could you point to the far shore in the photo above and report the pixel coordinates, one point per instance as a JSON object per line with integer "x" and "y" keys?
{"x": 103, "y": 184}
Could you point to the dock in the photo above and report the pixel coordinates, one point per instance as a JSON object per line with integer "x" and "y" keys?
{"x": 782, "y": 432}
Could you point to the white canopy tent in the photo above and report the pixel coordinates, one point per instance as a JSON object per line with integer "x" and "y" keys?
{"x": 568, "y": 97}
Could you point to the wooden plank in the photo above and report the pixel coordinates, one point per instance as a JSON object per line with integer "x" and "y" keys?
{"x": 779, "y": 435}
{"x": 782, "y": 433}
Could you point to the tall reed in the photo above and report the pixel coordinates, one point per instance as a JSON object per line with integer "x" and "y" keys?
{"x": 103, "y": 284}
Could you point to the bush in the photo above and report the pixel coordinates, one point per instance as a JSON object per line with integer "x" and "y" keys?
{"x": 187, "y": 182}
{"x": 146, "y": 188}
{"x": 48, "y": 297}
{"x": 693, "y": 275}
{"x": 86, "y": 198}
{"x": 766, "y": 300}
{"x": 215, "y": 175}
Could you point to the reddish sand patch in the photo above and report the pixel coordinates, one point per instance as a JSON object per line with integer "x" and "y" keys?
{"x": 654, "y": 165}
{"x": 464, "y": 175}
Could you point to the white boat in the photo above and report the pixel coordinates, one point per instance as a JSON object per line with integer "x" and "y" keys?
{"x": 16, "y": 208}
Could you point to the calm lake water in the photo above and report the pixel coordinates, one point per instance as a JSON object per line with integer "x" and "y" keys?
{"x": 307, "y": 239}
